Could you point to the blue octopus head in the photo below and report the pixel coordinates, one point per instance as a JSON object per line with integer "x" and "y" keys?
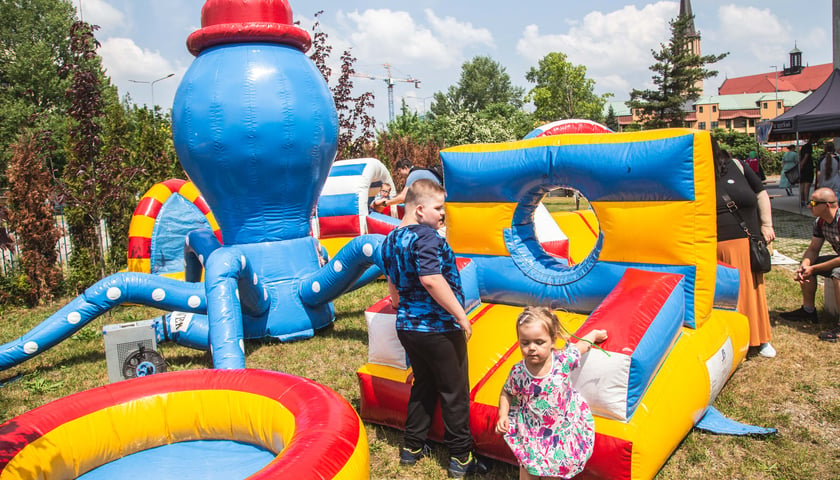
{"x": 254, "y": 122}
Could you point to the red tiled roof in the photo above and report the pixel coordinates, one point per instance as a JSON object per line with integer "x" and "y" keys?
{"x": 744, "y": 113}
{"x": 808, "y": 80}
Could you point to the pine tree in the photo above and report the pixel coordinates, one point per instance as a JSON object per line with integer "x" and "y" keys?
{"x": 612, "y": 121}
{"x": 678, "y": 72}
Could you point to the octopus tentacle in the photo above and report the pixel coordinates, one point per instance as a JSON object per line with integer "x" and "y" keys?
{"x": 233, "y": 288}
{"x": 342, "y": 272}
{"x": 198, "y": 245}
{"x": 141, "y": 288}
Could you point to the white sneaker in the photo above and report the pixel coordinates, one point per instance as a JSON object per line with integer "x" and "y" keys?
{"x": 767, "y": 350}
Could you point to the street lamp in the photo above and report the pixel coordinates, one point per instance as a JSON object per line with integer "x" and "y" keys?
{"x": 152, "y": 85}
{"x": 424, "y": 102}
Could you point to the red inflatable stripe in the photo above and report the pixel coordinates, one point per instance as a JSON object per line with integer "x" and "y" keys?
{"x": 339, "y": 226}
{"x": 630, "y": 308}
{"x": 148, "y": 207}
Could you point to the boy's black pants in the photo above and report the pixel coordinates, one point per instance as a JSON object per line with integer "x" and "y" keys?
{"x": 439, "y": 362}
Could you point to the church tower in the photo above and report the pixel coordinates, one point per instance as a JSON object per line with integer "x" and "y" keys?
{"x": 691, "y": 35}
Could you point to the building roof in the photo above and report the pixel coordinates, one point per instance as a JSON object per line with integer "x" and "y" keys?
{"x": 748, "y": 101}
{"x": 806, "y": 81}
{"x": 620, "y": 108}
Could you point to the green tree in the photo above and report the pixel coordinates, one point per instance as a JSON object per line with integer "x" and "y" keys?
{"x": 34, "y": 43}
{"x": 612, "y": 121}
{"x": 678, "y": 74}
{"x": 741, "y": 144}
{"x": 563, "y": 91}
{"x": 409, "y": 124}
{"x": 465, "y": 127}
{"x": 483, "y": 82}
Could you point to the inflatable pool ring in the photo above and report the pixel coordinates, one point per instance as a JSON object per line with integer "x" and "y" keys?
{"x": 306, "y": 429}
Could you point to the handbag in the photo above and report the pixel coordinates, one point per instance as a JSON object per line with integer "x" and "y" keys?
{"x": 760, "y": 261}
{"x": 792, "y": 175}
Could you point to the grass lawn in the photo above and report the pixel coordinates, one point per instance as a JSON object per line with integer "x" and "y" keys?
{"x": 798, "y": 392}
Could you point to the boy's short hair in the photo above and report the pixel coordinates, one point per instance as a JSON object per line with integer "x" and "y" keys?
{"x": 421, "y": 190}
{"x": 402, "y": 163}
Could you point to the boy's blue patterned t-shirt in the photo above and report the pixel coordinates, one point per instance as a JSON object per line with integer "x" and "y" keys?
{"x": 411, "y": 252}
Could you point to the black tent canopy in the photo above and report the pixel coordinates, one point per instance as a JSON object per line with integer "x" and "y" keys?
{"x": 818, "y": 115}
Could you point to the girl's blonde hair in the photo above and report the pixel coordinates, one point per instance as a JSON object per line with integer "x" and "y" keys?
{"x": 544, "y": 316}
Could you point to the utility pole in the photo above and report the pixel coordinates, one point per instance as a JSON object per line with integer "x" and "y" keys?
{"x": 389, "y": 80}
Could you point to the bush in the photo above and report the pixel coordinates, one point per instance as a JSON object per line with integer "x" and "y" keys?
{"x": 14, "y": 287}
{"x": 82, "y": 271}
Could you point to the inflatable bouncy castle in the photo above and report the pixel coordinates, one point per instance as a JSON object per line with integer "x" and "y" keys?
{"x": 650, "y": 281}
{"x": 342, "y": 212}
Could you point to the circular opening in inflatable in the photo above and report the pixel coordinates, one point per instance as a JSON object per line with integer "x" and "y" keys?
{"x": 570, "y": 229}
{"x": 556, "y": 245}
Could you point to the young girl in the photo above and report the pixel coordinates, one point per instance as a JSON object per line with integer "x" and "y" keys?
{"x": 545, "y": 421}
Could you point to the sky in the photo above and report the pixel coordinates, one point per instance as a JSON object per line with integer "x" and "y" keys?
{"x": 428, "y": 40}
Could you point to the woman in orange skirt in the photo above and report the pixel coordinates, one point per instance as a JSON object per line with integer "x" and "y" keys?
{"x": 745, "y": 189}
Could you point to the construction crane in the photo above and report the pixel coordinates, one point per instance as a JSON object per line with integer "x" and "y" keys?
{"x": 389, "y": 80}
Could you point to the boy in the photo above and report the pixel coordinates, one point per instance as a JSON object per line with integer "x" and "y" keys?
{"x": 432, "y": 326}
{"x": 378, "y": 203}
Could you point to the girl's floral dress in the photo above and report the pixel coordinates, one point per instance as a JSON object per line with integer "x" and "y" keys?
{"x": 552, "y": 431}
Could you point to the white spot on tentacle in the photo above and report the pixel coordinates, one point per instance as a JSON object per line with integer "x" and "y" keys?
{"x": 74, "y": 318}
{"x": 242, "y": 261}
{"x": 158, "y": 294}
{"x": 256, "y": 279}
{"x": 316, "y": 287}
{"x": 201, "y": 259}
{"x": 194, "y": 301}
{"x": 113, "y": 293}
{"x": 337, "y": 266}
{"x": 30, "y": 347}
{"x": 236, "y": 292}
{"x": 367, "y": 249}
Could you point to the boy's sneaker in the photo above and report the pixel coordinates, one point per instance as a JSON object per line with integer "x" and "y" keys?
{"x": 830, "y": 335}
{"x": 800, "y": 315}
{"x": 472, "y": 464}
{"x": 410, "y": 457}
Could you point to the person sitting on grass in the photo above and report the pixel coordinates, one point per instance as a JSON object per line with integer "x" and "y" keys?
{"x": 823, "y": 205}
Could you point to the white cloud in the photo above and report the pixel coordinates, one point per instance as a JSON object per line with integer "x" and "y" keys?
{"x": 606, "y": 43}
{"x": 761, "y": 38}
{"x": 458, "y": 34}
{"x": 124, "y": 61}
{"x": 99, "y": 12}
{"x": 384, "y": 35}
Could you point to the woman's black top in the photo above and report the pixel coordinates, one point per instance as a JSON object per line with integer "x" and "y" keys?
{"x": 742, "y": 189}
